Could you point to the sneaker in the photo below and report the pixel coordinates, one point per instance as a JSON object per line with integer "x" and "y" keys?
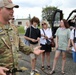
{"x": 37, "y": 71}
{"x": 52, "y": 72}
{"x": 32, "y": 73}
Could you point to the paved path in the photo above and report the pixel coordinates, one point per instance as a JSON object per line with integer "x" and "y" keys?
{"x": 70, "y": 67}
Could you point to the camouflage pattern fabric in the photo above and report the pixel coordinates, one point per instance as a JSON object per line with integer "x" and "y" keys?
{"x": 10, "y": 44}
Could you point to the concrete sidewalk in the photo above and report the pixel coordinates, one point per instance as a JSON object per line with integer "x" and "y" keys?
{"x": 70, "y": 68}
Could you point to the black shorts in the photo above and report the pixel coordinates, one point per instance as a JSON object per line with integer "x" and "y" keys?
{"x": 46, "y": 47}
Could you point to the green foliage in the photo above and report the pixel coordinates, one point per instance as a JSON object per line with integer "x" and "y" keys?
{"x": 21, "y": 29}
{"x": 47, "y": 13}
{"x": 49, "y": 8}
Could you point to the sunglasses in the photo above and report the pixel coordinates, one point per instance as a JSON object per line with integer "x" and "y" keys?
{"x": 44, "y": 24}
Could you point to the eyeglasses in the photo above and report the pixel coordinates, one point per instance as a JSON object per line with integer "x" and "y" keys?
{"x": 44, "y": 24}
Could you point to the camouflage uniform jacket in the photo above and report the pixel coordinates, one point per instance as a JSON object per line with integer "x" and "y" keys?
{"x": 10, "y": 44}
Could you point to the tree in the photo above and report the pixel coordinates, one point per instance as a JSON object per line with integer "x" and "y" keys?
{"x": 47, "y": 13}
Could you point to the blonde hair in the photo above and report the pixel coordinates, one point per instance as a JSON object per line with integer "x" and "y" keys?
{"x": 45, "y": 21}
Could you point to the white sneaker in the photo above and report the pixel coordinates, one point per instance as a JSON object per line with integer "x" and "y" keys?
{"x": 32, "y": 73}
{"x": 36, "y": 70}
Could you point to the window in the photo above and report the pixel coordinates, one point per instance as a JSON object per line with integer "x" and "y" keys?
{"x": 19, "y": 23}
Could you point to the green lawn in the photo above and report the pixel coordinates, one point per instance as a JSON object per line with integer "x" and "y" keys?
{"x": 21, "y": 30}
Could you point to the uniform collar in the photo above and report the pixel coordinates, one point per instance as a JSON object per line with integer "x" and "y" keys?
{"x": 5, "y": 27}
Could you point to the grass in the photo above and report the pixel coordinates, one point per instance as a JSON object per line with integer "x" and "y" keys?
{"x": 21, "y": 30}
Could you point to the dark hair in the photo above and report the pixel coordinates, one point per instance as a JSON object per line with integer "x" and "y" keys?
{"x": 35, "y": 19}
{"x": 66, "y": 24}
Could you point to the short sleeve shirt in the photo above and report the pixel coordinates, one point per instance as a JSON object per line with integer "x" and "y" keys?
{"x": 33, "y": 33}
{"x": 63, "y": 37}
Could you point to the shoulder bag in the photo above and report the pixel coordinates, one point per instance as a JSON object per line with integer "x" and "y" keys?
{"x": 52, "y": 43}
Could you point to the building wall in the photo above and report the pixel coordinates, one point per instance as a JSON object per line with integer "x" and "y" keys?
{"x": 21, "y": 22}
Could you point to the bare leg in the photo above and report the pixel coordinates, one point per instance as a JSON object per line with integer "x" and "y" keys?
{"x": 48, "y": 58}
{"x": 33, "y": 63}
{"x": 63, "y": 61}
{"x": 57, "y": 54}
{"x": 43, "y": 57}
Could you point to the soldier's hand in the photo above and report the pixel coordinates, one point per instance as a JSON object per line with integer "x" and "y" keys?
{"x": 37, "y": 50}
{"x": 3, "y": 70}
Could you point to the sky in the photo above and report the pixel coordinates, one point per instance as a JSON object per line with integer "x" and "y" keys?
{"x": 34, "y": 7}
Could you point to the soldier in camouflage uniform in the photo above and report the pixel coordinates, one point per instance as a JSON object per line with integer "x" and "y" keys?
{"x": 10, "y": 43}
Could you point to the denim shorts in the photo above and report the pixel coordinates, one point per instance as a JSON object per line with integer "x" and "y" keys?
{"x": 61, "y": 50}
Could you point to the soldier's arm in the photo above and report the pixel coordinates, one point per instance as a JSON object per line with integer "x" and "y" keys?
{"x": 24, "y": 48}
{"x": 27, "y": 50}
